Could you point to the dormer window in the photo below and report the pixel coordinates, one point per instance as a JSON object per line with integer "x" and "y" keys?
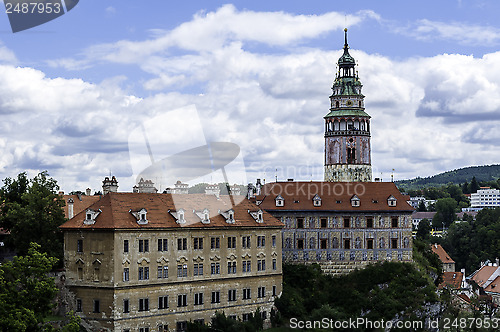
{"x": 391, "y": 201}
{"x": 257, "y": 215}
{"x": 140, "y": 216}
{"x": 316, "y": 200}
{"x": 229, "y": 215}
{"x": 280, "y": 201}
{"x": 203, "y": 215}
{"x": 355, "y": 201}
{"x": 178, "y": 215}
{"x": 90, "y": 216}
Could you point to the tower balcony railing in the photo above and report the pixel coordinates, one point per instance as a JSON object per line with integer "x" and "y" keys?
{"x": 352, "y": 132}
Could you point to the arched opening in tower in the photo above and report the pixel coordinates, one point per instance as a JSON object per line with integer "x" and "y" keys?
{"x": 351, "y": 155}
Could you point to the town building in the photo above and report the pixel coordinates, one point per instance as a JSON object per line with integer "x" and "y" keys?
{"x": 487, "y": 277}
{"x": 153, "y": 262}
{"x": 417, "y": 200}
{"x": 485, "y": 197}
{"x": 347, "y": 127}
{"x": 145, "y": 186}
{"x": 340, "y": 225}
{"x": 448, "y": 263}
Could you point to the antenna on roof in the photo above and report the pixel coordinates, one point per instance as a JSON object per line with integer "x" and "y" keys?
{"x": 276, "y": 175}
{"x": 392, "y": 175}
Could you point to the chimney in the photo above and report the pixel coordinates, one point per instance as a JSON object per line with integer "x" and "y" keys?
{"x": 87, "y": 191}
{"x": 212, "y": 189}
{"x": 70, "y": 208}
{"x": 109, "y": 185}
{"x": 497, "y": 261}
{"x": 258, "y": 188}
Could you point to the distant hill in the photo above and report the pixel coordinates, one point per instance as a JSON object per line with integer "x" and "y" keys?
{"x": 457, "y": 176}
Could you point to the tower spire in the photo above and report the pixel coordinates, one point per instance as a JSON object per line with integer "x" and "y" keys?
{"x": 346, "y": 46}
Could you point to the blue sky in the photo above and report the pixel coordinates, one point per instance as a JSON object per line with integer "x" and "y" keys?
{"x": 256, "y": 73}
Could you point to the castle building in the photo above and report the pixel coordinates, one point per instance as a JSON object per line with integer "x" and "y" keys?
{"x": 152, "y": 262}
{"x": 347, "y": 127}
{"x": 340, "y": 225}
{"x": 347, "y": 221}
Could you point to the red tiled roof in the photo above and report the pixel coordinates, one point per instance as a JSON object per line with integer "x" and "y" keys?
{"x": 335, "y": 196}
{"x": 452, "y": 280}
{"x": 443, "y": 256}
{"x": 80, "y": 203}
{"x": 483, "y": 274}
{"x": 115, "y": 212}
{"x": 494, "y": 286}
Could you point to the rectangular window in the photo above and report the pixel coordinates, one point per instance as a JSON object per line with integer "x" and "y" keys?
{"x": 125, "y": 246}
{"x": 182, "y": 300}
{"x": 273, "y": 240}
{"x": 347, "y": 222}
{"x": 198, "y": 269}
{"x": 247, "y": 266}
{"x": 181, "y": 326}
{"x": 261, "y": 292}
{"x": 245, "y": 241}
{"x": 144, "y": 304}
{"x": 126, "y": 308}
{"x": 246, "y": 317}
{"x": 394, "y": 222}
{"x": 261, "y": 265}
{"x": 246, "y": 294}
{"x": 347, "y": 244}
{"x": 324, "y": 223}
{"x": 231, "y": 242}
{"x": 80, "y": 273}
{"x": 143, "y": 245}
{"x": 198, "y": 243}
{"x": 78, "y": 305}
{"x": 162, "y": 244}
{"x": 274, "y": 264}
{"x": 274, "y": 290}
{"x": 216, "y": 297}
{"x": 182, "y": 244}
{"x": 300, "y": 244}
{"x": 369, "y": 222}
{"x": 369, "y": 243}
{"x": 394, "y": 243}
{"x": 300, "y": 222}
{"x": 231, "y": 295}
{"x": 163, "y": 272}
{"x": 231, "y": 267}
{"x": 215, "y": 243}
{"x": 144, "y": 329}
{"x": 215, "y": 268}
{"x": 198, "y": 298}
{"x": 79, "y": 246}
{"x": 143, "y": 273}
{"x": 163, "y": 302}
{"x": 323, "y": 243}
{"x": 126, "y": 274}
{"x": 97, "y": 306}
{"x": 261, "y": 241}
{"x": 182, "y": 270}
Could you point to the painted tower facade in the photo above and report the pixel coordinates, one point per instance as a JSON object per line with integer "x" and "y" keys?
{"x": 347, "y": 127}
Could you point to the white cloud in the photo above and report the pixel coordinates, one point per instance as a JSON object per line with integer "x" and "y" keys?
{"x": 459, "y": 32}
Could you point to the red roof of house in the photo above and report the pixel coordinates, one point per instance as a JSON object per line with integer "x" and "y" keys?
{"x": 80, "y": 203}
{"x": 335, "y": 196}
{"x": 115, "y": 212}
{"x": 443, "y": 256}
{"x": 483, "y": 274}
{"x": 451, "y": 280}
{"x": 494, "y": 286}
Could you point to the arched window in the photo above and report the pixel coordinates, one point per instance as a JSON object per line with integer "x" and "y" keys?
{"x": 351, "y": 155}
{"x": 337, "y": 104}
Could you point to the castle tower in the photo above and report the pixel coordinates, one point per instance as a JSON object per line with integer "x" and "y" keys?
{"x": 347, "y": 127}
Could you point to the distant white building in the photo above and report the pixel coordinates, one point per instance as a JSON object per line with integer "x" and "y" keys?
{"x": 485, "y": 197}
{"x": 415, "y": 201}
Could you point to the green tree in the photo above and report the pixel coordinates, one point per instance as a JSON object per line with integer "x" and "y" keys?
{"x": 422, "y": 207}
{"x": 474, "y": 186}
{"x": 445, "y": 212}
{"x": 32, "y": 211}
{"x": 26, "y": 291}
{"x": 424, "y": 230}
